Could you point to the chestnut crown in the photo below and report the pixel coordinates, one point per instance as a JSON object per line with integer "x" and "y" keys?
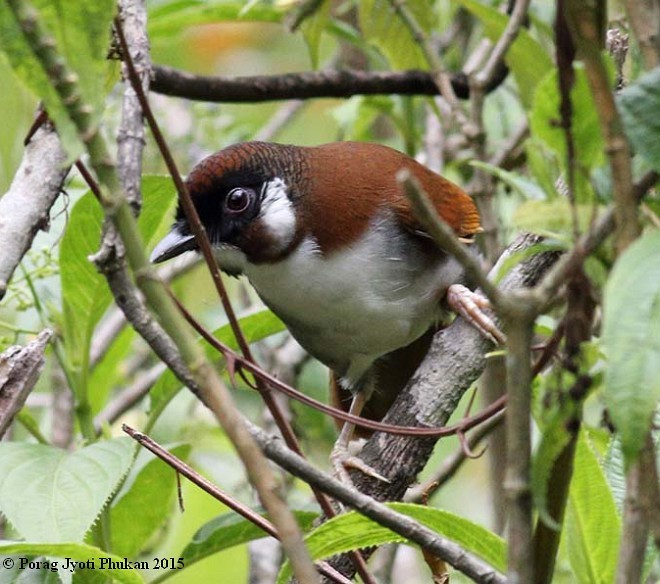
{"x": 263, "y": 198}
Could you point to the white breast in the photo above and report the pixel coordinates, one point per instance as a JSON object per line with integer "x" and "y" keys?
{"x": 356, "y": 305}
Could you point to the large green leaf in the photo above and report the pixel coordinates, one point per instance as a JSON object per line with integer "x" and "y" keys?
{"x": 631, "y": 340}
{"x": 230, "y": 529}
{"x": 50, "y": 495}
{"x": 85, "y": 294}
{"x": 81, "y": 30}
{"x": 593, "y": 528}
{"x": 383, "y": 28}
{"x": 147, "y": 493}
{"x": 95, "y": 559}
{"x": 351, "y": 531}
{"x": 526, "y": 58}
{"x": 639, "y": 104}
{"x": 585, "y": 126}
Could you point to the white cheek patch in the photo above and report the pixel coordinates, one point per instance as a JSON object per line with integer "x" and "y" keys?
{"x": 277, "y": 213}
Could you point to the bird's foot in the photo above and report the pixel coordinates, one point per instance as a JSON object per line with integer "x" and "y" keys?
{"x": 472, "y": 306}
{"x": 341, "y": 460}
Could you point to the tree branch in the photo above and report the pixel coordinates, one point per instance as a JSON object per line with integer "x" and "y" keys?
{"x": 307, "y": 85}
{"x": 19, "y": 370}
{"x": 25, "y": 207}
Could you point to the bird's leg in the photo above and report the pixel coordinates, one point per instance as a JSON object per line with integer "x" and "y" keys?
{"x": 471, "y": 307}
{"x": 340, "y": 457}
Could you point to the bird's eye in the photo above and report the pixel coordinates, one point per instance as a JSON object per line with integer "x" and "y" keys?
{"x": 238, "y": 200}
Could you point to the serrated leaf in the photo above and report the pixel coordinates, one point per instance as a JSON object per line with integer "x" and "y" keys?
{"x": 228, "y": 530}
{"x": 78, "y": 552}
{"x": 639, "y": 104}
{"x": 631, "y": 341}
{"x": 585, "y": 125}
{"x": 613, "y": 466}
{"x": 81, "y": 30}
{"x": 147, "y": 493}
{"x": 50, "y": 495}
{"x": 170, "y": 18}
{"x": 255, "y": 327}
{"x": 352, "y": 531}
{"x": 383, "y": 28}
{"x": 593, "y": 528}
{"x": 554, "y": 440}
{"x": 526, "y": 58}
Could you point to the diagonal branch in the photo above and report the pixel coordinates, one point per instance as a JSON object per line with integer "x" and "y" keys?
{"x": 25, "y": 207}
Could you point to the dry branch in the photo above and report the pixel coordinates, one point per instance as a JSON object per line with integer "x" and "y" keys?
{"x": 25, "y": 207}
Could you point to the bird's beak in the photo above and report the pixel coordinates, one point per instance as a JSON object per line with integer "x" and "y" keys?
{"x": 172, "y": 245}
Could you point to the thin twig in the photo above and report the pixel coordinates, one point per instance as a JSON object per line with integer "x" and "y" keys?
{"x": 517, "y": 20}
{"x": 453, "y": 462}
{"x": 208, "y": 487}
{"x": 239, "y": 361}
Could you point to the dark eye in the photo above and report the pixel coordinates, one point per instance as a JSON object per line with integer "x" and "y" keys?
{"x": 238, "y": 200}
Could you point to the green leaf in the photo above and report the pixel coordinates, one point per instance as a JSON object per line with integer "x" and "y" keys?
{"x": 255, "y": 327}
{"x": 593, "y": 527}
{"x": 525, "y": 187}
{"x": 526, "y": 58}
{"x": 312, "y": 28}
{"x": 50, "y": 495}
{"x": 631, "y": 341}
{"x": 517, "y": 257}
{"x": 351, "y": 531}
{"x": 383, "y": 28}
{"x": 228, "y": 530}
{"x": 167, "y": 19}
{"x": 553, "y": 218}
{"x": 585, "y": 126}
{"x": 158, "y": 204}
{"x": 98, "y": 560}
{"x": 85, "y": 293}
{"x": 639, "y": 104}
{"x": 110, "y": 372}
{"x": 543, "y": 165}
{"x": 81, "y": 30}
{"x": 147, "y": 493}
{"x": 553, "y": 442}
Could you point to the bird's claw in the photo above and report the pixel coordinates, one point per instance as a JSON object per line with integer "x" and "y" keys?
{"x": 472, "y": 306}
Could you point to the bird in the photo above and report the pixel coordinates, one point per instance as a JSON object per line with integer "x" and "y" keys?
{"x": 331, "y": 245}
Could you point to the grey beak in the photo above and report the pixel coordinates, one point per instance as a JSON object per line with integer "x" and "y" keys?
{"x": 172, "y": 245}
